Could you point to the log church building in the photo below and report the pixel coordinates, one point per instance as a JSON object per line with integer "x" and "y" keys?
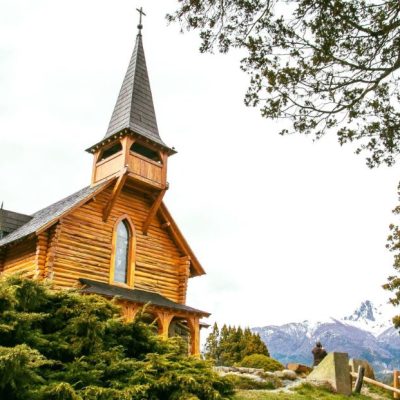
{"x": 115, "y": 237}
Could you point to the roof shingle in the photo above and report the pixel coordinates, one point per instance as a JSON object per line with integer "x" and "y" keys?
{"x": 134, "y": 108}
{"x": 10, "y": 220}
{"x": 42, "y": 217}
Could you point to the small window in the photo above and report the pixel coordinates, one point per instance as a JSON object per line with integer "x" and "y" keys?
{"x": 121, "y": 253}
{"x": 116, "y": 148}
{"x": 146, "y": 152}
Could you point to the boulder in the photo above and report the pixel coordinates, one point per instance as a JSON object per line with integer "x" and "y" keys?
{"x": 334, "y": 369}
{"x": 299, "y": 368}
{"x": 288, "y": 374}
{"x": 368, "y": 370}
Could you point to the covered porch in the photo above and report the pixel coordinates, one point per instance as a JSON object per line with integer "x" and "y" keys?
{"x": 170, "y": 318}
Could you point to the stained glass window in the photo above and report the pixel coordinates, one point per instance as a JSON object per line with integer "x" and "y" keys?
{"x": 121, "y": 253}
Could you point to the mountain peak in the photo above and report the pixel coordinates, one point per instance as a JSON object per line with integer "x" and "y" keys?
{"x": 366, "y": 312}
{"x": 367, "y": 332}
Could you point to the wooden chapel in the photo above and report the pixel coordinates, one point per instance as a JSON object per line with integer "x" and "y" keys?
{"x": 115, "y": 237}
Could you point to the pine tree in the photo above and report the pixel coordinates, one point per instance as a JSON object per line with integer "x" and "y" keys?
{"x": 224, "y": 346}
{"x": 211, "y": 346}
{"x": 232, "y": 345}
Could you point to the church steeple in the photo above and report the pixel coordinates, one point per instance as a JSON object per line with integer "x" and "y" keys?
{"x": 134, "y": 108}
{"x": 132, "y": 144}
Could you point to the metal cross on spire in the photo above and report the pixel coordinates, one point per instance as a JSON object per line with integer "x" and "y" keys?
{"x": 141, "y": 13}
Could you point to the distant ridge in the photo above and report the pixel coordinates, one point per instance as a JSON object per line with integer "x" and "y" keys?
{"x": 366, "y": 333}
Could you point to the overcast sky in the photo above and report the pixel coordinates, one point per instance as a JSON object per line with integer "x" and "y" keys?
{"x": 286, "y": 229}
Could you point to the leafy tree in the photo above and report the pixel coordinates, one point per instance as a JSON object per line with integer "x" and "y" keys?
{"x": 322, "y": 64}
{"x": 230, "y": 345}
{"x": 59, "y": 345}
{"x": 393, "y": 244}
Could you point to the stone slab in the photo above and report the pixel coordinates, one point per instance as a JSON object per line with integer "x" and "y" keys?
{"x": 335, "y": 370}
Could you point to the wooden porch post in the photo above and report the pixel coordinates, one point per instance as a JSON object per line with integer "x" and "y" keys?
{"x": 164, "y": 320}
{"x": 194, "y": 336}
{"x": 129, "y": 311}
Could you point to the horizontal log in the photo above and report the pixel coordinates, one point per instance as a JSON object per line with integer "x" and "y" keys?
{"x": 376, "y": 383}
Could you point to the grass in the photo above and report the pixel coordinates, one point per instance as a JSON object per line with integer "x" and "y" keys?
{"x": 304, "y": 392}
{"x": 245, "y": 383}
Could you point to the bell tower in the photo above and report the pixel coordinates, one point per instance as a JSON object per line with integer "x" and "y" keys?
{"x": 132, "y": 147}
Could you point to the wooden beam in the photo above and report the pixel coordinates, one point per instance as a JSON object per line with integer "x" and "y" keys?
{"x": 95, "y": 160}
{"x": 152, "y": 212}
{"x": 376, "y": 383}
{"x": 181, "y": 241}
{"x": 114, "y": 194}
{"x": 360, "y": 378}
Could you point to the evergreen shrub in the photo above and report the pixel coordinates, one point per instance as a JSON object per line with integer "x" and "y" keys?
{"x": 61, "y": 345}
{"x": 261, "y": 361}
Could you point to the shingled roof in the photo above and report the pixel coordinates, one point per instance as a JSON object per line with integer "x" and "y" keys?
{"x": 10, "y": 221}
{"x": 136, "y": 295}
{"x": 134, "y": 108}
{"x": 45, "y": 216}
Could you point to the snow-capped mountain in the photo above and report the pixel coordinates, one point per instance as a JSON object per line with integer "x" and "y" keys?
{"x": 367, "y": 333}
{"x": 371, "y": 318}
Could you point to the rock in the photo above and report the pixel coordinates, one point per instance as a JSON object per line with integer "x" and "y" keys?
{"x": 289, "y": 374}
{"x": 335, "y": 370}
{"x": 257, "y": 372}
{"x": 279, "y": 374}
{"x": 368, "y": 370}
{"x": 299, "y": 368}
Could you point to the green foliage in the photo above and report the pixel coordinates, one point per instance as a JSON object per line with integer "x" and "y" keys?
{"x": 231, "y": 344}
{"x": 261, "y": 361}
{"x": 59, "y": 345}
{"x": 324, "y": 65}
{"x": 19, "y": 367}
{"x": 393, "y": 244}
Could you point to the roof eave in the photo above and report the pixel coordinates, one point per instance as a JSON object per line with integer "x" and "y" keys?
{"x": 125, "y": 132}
{"x": 197, "y": 269}
{"x": 90, "y": 288}
{"x": 102, "y": 186}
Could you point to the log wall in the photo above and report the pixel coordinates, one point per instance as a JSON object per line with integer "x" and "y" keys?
{"x": 21, "y": 258}
{"x": 2, "y": 258}
{"x": 82, "y": 247}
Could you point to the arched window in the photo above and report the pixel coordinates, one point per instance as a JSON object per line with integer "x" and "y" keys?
{"x": 122, "y": 266}
{"x": 121, "y": 253}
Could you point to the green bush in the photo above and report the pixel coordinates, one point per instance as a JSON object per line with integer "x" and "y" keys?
{"x": 60, "y": 345}
{"x": 261, "y": 361}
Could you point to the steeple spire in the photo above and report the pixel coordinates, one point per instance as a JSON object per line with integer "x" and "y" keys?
{"x": 132, "y": 147}
{"x": 134, "y": 109}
